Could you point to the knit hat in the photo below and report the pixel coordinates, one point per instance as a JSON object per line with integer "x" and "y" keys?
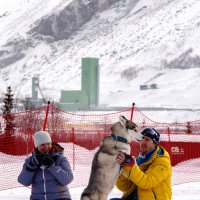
{"x": 41, "y": 137}
{"x": 151, "y": 133}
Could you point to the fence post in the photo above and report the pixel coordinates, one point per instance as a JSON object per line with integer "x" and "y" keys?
{"x": 189, "y": 128}
{"x": 132, "y": 111}
{"x": 168, "y": 133}
{"x": 169, "y": 140}
{"x": 46, "y": 117}
{"x": 73, "y": 146}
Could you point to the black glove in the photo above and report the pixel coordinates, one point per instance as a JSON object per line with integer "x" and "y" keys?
{"x": 33, "y": 164}
{"x": 39, "y": 157}
{"x": 47, "y": 161}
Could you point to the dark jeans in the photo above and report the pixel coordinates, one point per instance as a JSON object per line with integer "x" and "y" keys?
{"x": 64, "y": 199}
{"x": 115, "y": 199}
{"x": 60, "y": 199}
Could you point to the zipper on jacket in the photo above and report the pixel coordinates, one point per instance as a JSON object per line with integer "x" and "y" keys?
{"x": 154, "y": 195}
{"x": 45, "y": 190}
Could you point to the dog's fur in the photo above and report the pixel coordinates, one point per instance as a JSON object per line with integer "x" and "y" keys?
{"x": 105, "y": 170}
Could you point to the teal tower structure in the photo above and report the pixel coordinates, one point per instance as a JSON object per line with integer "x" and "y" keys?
{"x": 90, "y": 80}
{"x": 34, "y": 102}
{"x": 35, "y": 86}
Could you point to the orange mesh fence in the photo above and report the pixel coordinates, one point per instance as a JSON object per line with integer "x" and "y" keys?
{"x": 81, "y": 134}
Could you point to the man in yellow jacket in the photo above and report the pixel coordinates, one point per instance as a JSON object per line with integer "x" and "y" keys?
{"x": 149, "y": 176}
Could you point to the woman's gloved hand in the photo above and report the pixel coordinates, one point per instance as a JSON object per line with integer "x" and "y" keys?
{"x": 33, "y": 163}
{"x": 47, "y": 161}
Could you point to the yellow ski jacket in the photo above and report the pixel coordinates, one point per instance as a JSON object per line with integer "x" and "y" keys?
{"x": 151, "y": 180}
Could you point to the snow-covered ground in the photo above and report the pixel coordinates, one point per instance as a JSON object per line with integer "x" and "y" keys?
{"x": 185, "y": 176}
{"x": 187, "y": 191}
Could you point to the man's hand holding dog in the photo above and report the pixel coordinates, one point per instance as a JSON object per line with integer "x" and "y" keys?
{"x": 129, "y": 161}
{"x": 125, "y": 160}
{"x": 120, "y": 158}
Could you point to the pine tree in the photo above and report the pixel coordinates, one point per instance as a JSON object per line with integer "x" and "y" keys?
{"x": 7, "y": 108}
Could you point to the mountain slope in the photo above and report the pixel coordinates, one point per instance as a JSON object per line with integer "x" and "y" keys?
{"x": 137, "y": 42}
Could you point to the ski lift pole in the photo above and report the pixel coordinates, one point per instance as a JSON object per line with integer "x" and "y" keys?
{"x": 132, "y": 112}
{"x": 46, "y": 117}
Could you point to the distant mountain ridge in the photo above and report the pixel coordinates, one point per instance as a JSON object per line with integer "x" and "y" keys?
{"x": 61, "y": 25}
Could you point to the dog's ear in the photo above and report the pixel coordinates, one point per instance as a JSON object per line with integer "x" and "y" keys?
{"x": 122, "y": 120}
{"x": 131, "y": 125}
{"x": 127, "y": 123}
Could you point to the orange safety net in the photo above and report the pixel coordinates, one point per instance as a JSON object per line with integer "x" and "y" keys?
{"x": 81, "y": 134}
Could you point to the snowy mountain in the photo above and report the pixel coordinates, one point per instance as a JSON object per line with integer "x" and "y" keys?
{"x": 137, "y": 41}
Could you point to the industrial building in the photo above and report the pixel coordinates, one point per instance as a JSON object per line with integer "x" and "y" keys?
{"x": 74, "y": 100}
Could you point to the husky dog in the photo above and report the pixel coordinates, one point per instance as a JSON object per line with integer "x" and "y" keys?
{"x": 105, "y": 170}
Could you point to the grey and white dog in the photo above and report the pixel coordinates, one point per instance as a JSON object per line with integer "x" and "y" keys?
{"x": 105, "y": 170}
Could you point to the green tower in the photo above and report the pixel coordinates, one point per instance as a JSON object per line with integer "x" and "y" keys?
{"x": 90, "y": 80}
{"x": 88, "y": 96}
